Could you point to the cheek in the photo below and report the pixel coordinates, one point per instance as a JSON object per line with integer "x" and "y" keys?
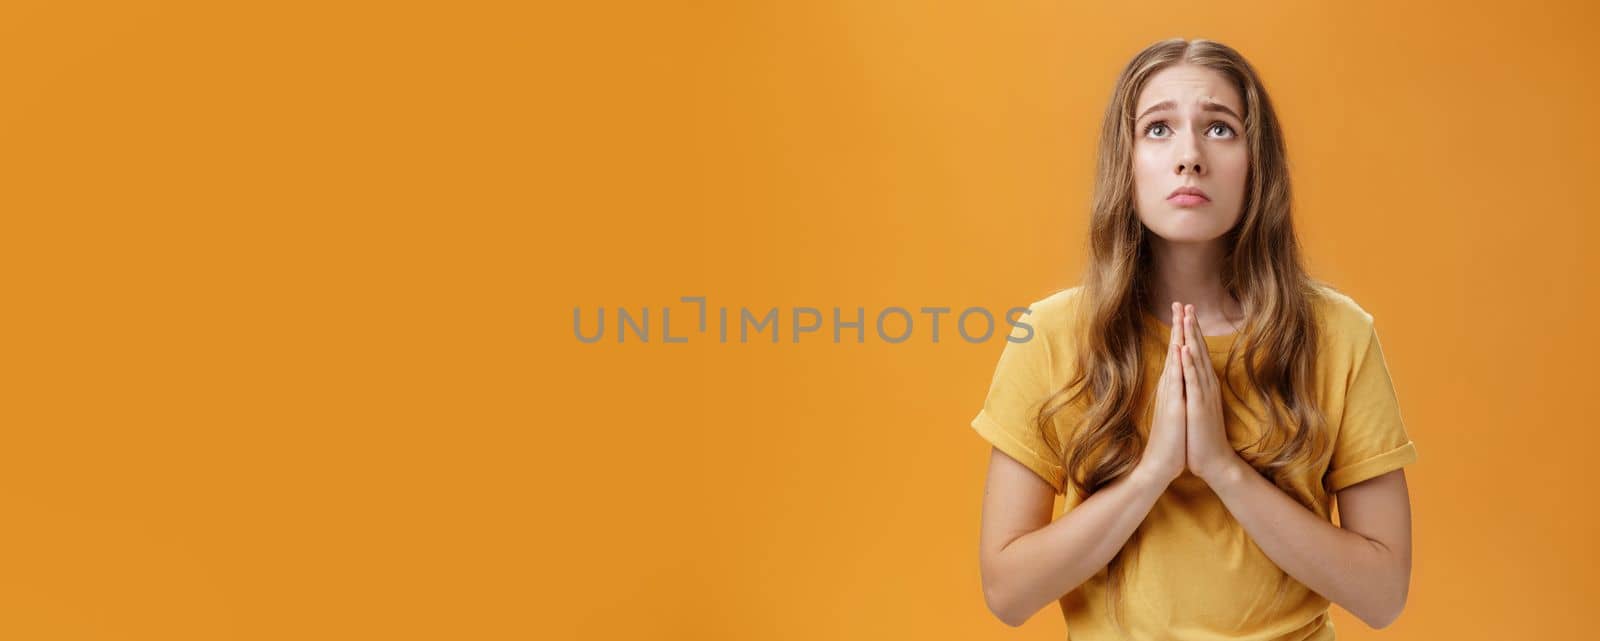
{"x": 1233, "y": 168}
{"x": 1147, "y": 169}
{"x": 1147, "y": 160}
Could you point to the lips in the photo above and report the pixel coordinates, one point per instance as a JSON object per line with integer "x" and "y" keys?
{"x": 1188, "y": 196}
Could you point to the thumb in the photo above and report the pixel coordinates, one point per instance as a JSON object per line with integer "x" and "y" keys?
{"x": 1191, "y": 377}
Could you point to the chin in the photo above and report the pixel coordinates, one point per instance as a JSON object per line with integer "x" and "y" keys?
{"x": 1188, "y": 234}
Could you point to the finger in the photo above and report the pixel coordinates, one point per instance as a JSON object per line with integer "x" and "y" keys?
{"x": 1191, "y": 379}
{"x": 1171, "y": 375}
{"x": 1202, "y": 350}
{"x": 1176, "y": 337}
{"x": 1183, "y": 319}
{"x": 1203, "y": 356}
{"x": 1193, "y": 342}
{"x": 1174, "y": 372}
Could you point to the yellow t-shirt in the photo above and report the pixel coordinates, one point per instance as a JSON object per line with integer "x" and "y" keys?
{"x": 1195, "y": 573}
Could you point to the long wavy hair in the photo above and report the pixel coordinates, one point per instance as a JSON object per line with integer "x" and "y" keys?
{"x": 1262, "y": 269}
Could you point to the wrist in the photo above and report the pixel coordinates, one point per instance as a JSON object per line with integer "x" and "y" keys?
{"x": 1224, "y": 471}
{"x": 1152, "y": 476}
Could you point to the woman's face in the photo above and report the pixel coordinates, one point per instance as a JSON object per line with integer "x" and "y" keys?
{"x": 1189, "y": 133}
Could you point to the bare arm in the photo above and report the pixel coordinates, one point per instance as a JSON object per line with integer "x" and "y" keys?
{"x": 1364, "y": 566}
{"x": 1026, "y": 560}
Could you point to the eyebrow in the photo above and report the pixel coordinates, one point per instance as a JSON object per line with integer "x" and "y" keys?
{"x": 1205, "y": 106}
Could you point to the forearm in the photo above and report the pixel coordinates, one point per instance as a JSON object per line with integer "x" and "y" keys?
{"x": 1039, "y": 567}
{"x": 1360, "y": 574}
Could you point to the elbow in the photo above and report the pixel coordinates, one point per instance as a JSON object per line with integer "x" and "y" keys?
{"x": 1002, "y": 607}
{"x": 1384, "y": 618}
{"x": 1395, "y": 588}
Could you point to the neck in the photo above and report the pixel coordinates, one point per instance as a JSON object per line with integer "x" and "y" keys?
{"x": 1190, "y": 273}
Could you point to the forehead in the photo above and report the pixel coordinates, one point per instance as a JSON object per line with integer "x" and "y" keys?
{"x": 1189, "y": 85}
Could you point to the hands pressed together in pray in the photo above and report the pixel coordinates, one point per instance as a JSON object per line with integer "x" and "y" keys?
{"x": 1186, "y": 431}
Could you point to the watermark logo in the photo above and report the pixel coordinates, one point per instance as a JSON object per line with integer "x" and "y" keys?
{"x": 892, "y": 324}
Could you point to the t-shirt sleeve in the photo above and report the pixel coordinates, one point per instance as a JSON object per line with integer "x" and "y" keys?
{"x": 1022, "y": 382}
{"x": 1372, "y": 438}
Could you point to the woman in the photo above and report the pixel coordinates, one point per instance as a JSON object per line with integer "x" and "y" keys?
{"x": 1199, "y": 399}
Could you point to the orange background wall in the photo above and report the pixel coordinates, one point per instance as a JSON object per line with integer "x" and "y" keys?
{"x": 289, "y": 292}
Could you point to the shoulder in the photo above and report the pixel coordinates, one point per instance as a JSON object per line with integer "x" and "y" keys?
{"x": 1053, "y": 315}
{"x": 1338, "y": 308}
{"x": 1346, "y": 325}
{"x": 1055, "y": 309}
{"x": 1045, "y": 325}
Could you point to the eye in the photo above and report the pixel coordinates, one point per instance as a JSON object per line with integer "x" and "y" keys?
{"x": 1222, "y": 125}
{"x": 1228, "y": 131}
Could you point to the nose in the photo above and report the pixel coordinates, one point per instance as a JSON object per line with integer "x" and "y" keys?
{"x": 1189, "y": 156}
